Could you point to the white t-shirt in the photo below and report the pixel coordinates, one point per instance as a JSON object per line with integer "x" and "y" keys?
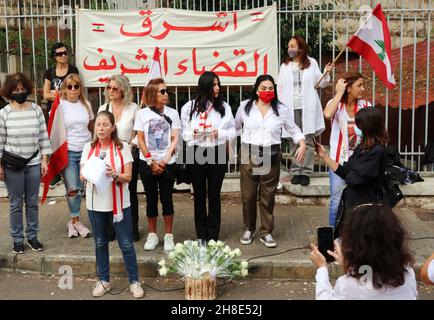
{"x": 125, "y": 124}
{"x": 349, "y": 142}
{"x": 104, "y": 202}
{"x": 297, "y": 76}
{"x": 157, "y": 131}
{"x": 76, "y": 119}
{"x": 431, "y": 271}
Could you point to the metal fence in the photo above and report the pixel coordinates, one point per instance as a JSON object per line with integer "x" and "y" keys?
{"x": 29, "y": 27}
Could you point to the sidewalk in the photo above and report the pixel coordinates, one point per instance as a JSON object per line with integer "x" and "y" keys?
{"x": 295, "y": 226}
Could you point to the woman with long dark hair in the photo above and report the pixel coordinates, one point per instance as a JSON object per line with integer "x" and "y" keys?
{"x": 207, "y": 126}
{"x": 375, "y": 258}
{"x": 261, "y": 120}
{"x": 364, "y": 171}
{"x": 296, "y": 85}
{"x": 113, "y": 205}
{"x": 341, "y": 111}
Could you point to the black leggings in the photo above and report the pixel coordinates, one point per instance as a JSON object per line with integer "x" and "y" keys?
{"x": 152, "y": 183}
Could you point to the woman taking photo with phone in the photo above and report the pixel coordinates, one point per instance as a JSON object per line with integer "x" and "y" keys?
{"x": 298, "y": 77}
{"x": 207, "y": 126}
{"x": 78, "y": 118}
{"x": 119, "y": 101}
{"x": 113, "y": 205}
{"x": 260, "y": 121}
{"x": 158, "y": 127}
{"x": 364, "y": 172}
{"x": 374, "y": 256}
{"x": 23, "y": 134}
{"x": 341, "y": 111}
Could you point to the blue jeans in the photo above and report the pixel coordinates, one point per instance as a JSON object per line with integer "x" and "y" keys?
{"x": 100, "y": 221}
{"x": 73, "y": 185}
{"x": 337, "y": 185}
{"x": 23, "y": 186}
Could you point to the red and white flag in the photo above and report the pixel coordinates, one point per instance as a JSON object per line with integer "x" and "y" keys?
{"x": 59, "y": 157}
{"x": 154, "y": 69}
{"x": 372, "y": 42}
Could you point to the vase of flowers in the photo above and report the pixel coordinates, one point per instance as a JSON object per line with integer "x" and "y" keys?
{"x": 201, "y": 265}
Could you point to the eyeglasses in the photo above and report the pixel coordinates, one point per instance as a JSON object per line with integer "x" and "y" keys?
{"x": 60, "y": 54}
{"x": 163, "y": 91}
{"x": 109, "y": 88}
{"x": 75, "y": 86}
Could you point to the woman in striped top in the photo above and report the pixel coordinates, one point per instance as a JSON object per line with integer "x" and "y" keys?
{"x": 23, "y": 132}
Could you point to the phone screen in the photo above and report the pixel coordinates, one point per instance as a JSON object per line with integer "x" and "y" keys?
{"x": 325, "y": 242}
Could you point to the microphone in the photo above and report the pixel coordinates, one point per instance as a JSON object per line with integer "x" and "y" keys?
{"x": 102, "y": 155}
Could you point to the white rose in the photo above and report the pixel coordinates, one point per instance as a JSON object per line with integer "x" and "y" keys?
{"x": 244, "y": 272}
{"x": 162, "y": 263}
{"x": 212, "y": 243}
{"x": 172, "y": 255}
{"x": 179, "y": 247}
{"x": 244, "y": 264}
{"x": 226, "y": 249}
{"x": 220, "y": 243}
{"x": 237, "y": 252}
{"x": 163, "y": 271}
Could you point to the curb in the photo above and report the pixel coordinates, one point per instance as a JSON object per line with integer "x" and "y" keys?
{"x": 261, "y": 268}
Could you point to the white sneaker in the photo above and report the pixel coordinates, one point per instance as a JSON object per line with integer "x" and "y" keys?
{"x": 247, "y": 237}
{"x": 100, "y": 288}
{"x": 151, "y": 241}
{"x": 136, "y": 289}
{"x": 168, "y": 242}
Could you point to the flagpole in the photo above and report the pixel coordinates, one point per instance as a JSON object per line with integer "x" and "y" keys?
{"x": 342, "y": 51}
{"x": 324, "y": 74}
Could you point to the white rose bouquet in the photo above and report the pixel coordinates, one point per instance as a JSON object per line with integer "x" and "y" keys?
{"x": 189, "y": 259}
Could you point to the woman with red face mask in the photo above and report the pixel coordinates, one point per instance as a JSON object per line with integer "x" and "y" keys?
{"x": 260, "y": 121}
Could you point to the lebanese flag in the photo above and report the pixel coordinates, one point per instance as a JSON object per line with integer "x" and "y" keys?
{"x": 372, "y": 42}
{"x": 57, "y": 134}
{"x": 154, "y": 69}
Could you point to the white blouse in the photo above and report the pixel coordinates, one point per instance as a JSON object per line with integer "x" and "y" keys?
{"x": 349, "y": 288}
{"x": 265, "y": 131}
{"x": 225, "y": 125}
{"x": 125, "y": 124}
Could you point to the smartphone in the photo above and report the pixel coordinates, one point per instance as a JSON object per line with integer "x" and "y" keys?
{"x": 325, "y": 242}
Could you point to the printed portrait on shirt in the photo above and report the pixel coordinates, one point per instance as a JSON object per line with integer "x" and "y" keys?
{"x": 352, "y": 137}
{"x": 158, "y": 134}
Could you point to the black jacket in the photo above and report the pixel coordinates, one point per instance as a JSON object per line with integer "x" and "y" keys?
{"x": 364, "y": 175}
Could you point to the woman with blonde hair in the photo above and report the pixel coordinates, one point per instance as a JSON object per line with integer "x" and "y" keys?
{"x": 158, "y": 128}
{"x": 78, "y": 118}
{"x": 119, "y": 101}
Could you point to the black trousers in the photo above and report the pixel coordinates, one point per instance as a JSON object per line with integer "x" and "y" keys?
{"x": 132, "y": 186}
{"x": 207, "y": 179}
{"x": 154, "y": 183}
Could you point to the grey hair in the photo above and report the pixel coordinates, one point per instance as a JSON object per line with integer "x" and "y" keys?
{"x": 124, "y": 84}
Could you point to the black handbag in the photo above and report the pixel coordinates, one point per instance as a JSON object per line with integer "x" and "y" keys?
{"x": 182, "y": 169}
{"x": 15, "y": 162}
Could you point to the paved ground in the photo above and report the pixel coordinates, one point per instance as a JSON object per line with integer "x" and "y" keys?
{"x": 30, "y": 286}
{"x": 295, "y": 227}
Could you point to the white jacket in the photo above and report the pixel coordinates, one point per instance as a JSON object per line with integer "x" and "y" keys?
{"x": 313, "y": 119}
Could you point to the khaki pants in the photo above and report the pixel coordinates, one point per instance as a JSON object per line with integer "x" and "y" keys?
{"x": 266, "y": 185}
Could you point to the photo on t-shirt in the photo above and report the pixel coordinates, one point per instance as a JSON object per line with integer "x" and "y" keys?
{"x": 158, "y": 134}
{"x": 352, "y": 137}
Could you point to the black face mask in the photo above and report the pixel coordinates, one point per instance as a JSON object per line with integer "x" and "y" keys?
{"x": 19, "y": 97}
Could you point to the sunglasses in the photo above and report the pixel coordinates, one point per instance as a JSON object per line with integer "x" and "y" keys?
{"x": 163, "y": 91}
{"x": 60, "y": 54}
{"x": 109, "y": 88}
{"x": 75, "y": 86}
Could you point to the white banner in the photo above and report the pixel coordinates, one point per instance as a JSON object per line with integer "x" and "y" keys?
{"x": 237, "y": 45}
